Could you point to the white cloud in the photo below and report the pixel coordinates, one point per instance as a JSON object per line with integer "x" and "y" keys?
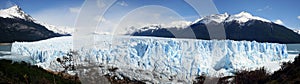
{"x": 156, "y": 15}
{"x": 69, "y": 16}
{"x": 114, "y": 22}
{"x": 149, "y": 15}
{"x": 9, "y": 4}
{"x": 74, "y": 9}
{"x": 265, "y": 8}
{"x": 122, "y": 3}
{"x": 259, "y": 10}
{"x": 100, "y": 3}
{"x": 64, "y": 16}
{"x": 278, "y": 22}
{"x": 60, "y": 16}
{"x": 98, "y": 18}
{"x": 298, "y": 17}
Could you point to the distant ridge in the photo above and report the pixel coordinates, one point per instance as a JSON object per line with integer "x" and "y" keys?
{"x": 242, "y": 26}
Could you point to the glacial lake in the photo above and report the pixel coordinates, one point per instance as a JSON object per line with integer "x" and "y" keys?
{"x": 293, "y": 48}
{"x": 5, "y": 49}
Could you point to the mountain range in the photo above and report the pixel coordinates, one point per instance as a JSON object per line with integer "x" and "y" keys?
{"x": 16, "y": 25}
{"x": 242, "y": 26}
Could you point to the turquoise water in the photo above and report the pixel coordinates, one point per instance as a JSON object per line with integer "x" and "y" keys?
{"x": 5, "y": 49}
{"x": 293, "y": 48}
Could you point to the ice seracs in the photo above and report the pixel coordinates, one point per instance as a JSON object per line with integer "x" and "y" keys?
{"x": 158, "y": 59}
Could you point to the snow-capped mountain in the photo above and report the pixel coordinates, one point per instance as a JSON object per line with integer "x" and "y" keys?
{"x": 16, "y": 25}
{"x": 15, "y": 12}
{"x": 242, "y": 17}
{"x": 242, "y": 26}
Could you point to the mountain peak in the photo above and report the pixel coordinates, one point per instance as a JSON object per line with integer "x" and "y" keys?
{"x": 14, "y": 8}
{"x": 213, "y": 18}
{"x": 245, "y": 17}
{"x": 245, "y": 14}
{"x": 241, "y": 17}
{"x": 15, "y": 12}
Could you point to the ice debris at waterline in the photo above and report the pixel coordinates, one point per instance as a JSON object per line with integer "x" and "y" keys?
{"x": 158, "y": 59}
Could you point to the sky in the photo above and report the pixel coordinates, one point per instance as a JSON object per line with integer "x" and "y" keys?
{"x": 65, "y": 12}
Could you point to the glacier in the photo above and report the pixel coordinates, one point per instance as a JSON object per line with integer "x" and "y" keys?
{"x": 157, "y": 59}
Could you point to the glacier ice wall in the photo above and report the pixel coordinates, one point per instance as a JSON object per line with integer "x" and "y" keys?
{"x": 158, "y": 59}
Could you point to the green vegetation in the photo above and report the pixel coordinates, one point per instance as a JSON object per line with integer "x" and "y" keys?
{"x": 289, "y": 74}
{"x": 112, "y": 79}
{"x": 23, "y": 73}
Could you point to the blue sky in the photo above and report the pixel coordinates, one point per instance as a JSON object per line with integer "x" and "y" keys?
{"x": 61, "y": 12}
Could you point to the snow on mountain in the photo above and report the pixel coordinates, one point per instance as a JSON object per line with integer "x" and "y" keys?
{"x": 242, "y": 17}
{"x": 102, "y": 33}
{"x": 219, "y": 18}
{"x": 236, "y": 27}
{"x": 152, "y": 26}
{"x": 158, "y": 59}
{"x": 57, "y": 29}
{"x": 215, "y": 17}
{"x": 245, "y": 17}
{"x": 130, "y": 30}
{"x": 17, "y": 12}
{"x": 297, "y": 31}
{"x": 173, "y": 24}
{"x": 177, "y": 24}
